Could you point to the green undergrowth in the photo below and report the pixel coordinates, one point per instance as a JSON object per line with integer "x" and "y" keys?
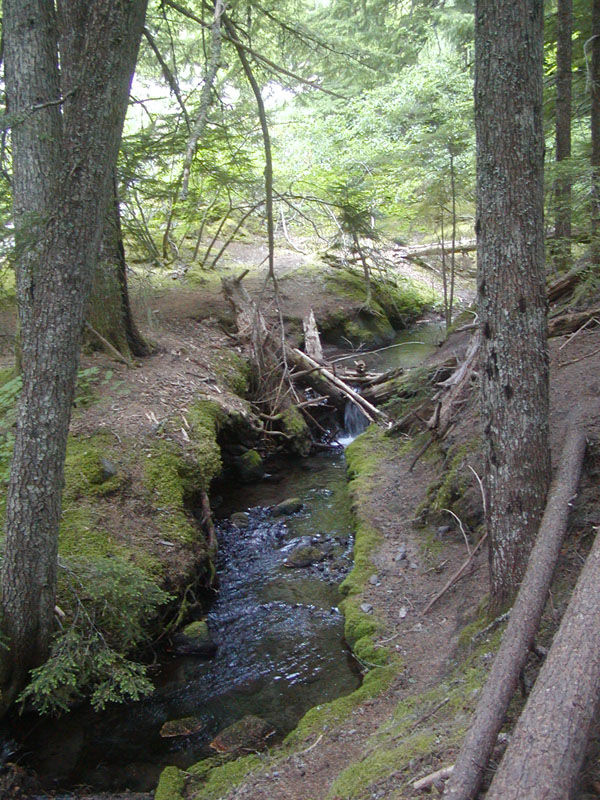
{"x": 426, "y": 729}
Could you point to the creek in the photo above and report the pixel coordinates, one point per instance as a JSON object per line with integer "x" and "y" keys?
{"x": 274, "y": 619}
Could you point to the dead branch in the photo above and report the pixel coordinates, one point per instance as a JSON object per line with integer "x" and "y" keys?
{"x": 523, "y": 623}
{"x": 457, "y": 575}
{"x": 369, "y": 410}
{"x": 567, "y": 323}
{"x": 429, "y": 780}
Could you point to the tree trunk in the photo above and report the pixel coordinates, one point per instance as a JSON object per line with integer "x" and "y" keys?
{"x": 562, "y": 184}
{"x": 55, "y": 277}
{"x": 511, "y": 281}
{"x": 548, "y": 745}
{"x": 595, "y": 126}
{"x": 109, "y": 310}
{"x": 522, "y": 626}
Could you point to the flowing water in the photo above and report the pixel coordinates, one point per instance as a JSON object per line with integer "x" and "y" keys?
{"x": 278, "y": 630}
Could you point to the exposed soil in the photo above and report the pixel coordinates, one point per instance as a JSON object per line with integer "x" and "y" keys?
{"x": 187, "y": 329}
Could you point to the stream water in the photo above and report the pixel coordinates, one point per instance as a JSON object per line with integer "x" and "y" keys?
{"x": 278, "y": 631}
{"x": 277, "y": 627}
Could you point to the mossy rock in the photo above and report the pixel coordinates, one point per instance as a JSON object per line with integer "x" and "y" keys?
{"x": 171, "y": 784}
{"x": 248, "y": 733}
{"x": 250, "y": 467}
{"x": 194, "y": 639}
{"x": 90, "y": 468}
{"x": 185, "y": 726}
{"x": 294, "y": 425}
{"x": 287, "y": 507}
{"x": 241, "y": 519}
{"x": 304, "y": 556}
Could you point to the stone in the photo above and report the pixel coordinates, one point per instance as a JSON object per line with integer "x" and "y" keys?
{"x": 241, "y": 519}
{"x": 185, "y": 726}
{"x": 366, "y": 608}
{"x": 287, "y": 507}
{"x": 401, "y": 554}
{"x": 374, "y": 580}
{"x": 250, "y": 466}
{"x": 109, "y": 470}
{"x": 304, "y": 556}
{"x": 194, "y": 640}
{"x": 248, "y": 733}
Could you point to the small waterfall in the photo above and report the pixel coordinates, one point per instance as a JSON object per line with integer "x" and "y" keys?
{"x": 355, "y": 422}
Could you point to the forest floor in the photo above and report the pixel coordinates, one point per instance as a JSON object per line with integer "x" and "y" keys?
{"x": 388, "y": 738}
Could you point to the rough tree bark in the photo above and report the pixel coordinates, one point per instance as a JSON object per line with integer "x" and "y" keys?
{"x": 547, "y": 747}
{"x": 55, "y": 271}
{"x": 595, "y": 131}
{"x": 109, "y": 311}
{"x": 562, "y": 184}
{"x": 522, "y": 626}
{"x": 511, "y": 281}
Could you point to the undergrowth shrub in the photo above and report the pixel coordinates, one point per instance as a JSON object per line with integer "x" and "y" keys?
{"x": 106, "y": 602}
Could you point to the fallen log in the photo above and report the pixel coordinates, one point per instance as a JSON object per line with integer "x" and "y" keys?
{"x": 462, "y": 246}
{"x": 547, "y": 747}
{"x": 567, "y": 323}
{"x": 523, "y": 623}
{"x": 339, "y": 387}
{"x": 564, "y": 285}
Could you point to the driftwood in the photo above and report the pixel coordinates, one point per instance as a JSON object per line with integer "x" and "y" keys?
{"x": 523, "y": 623}
{"x": 567, "y": 323}
{"x": 547, "y": 747}
{"x": 312, "y": 340}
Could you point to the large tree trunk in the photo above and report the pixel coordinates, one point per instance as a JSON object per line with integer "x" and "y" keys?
{"x": 511, "y": 285}
{"x": 547, "y": 747}
{"x": 562, "y": 184}
{"x": 55, "y": 277}
{"x": 109, "y": 312}
{"x": 595, "y": 126}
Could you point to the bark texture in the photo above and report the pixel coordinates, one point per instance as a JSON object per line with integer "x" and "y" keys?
{"x": 55, "y": 276}
{"x": 511, "y": 281}
{"x": 546, "y": 750}
{"x": 595, "y": 126}
{"x": 109, "y": 312}
{"x": 562, "y": 185}
{"x": 522, "y": 626}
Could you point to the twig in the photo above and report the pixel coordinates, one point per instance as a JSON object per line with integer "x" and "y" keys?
{"x": 429, "y": 714}
{"x": 429, "y": 780}
{"x": 581, "y": 358}
{"x": 578, "y": 331}
{"x": 457, "y": 575}
{"x": 312, "y": 746}
{"x": 113, "y": 350}
{"x": 462, "y": 530}
{"x": 481, "y": 489}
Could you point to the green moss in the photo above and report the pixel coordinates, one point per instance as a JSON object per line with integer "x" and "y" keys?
{"x": 170, "y": 785}
{"x": 218, "y": 780}
{"x": 205, "y": 418}
{"x": 234, "y": 371}
{"x": 292, "y": 423}
{"x": 85, "y": 474}
{"x": 327, "y": 715}
{"x": 6, "y": 374}
{"x": 357, "y": 624}
{"x": 355, "y": 779}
